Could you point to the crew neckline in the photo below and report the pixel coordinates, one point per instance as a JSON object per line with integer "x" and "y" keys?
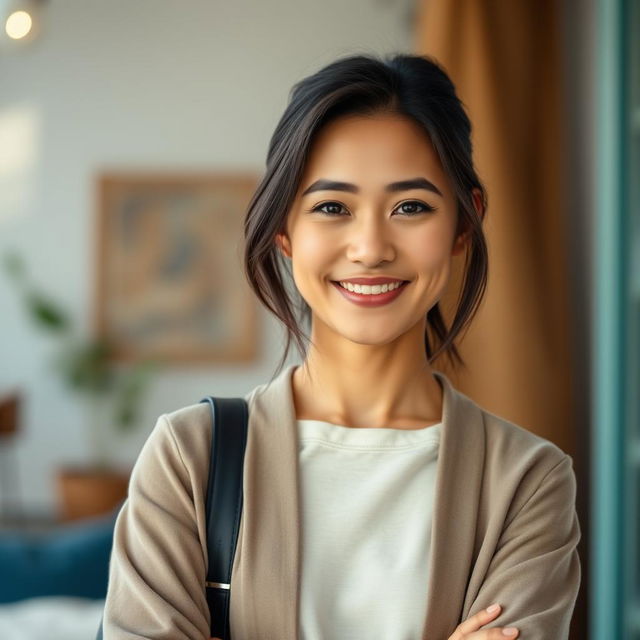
{"x": 383, "y": 437}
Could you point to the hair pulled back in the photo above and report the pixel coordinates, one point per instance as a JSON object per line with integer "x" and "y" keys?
{"x": 409, "y": 85}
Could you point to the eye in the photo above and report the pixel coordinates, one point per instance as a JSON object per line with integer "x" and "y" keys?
{"x": 422, "y": 208}
{"x": 335, "y": 205}
{"x": 413, "y": 203}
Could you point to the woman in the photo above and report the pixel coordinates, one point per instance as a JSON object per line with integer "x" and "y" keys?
{"x": 379, "y": 501}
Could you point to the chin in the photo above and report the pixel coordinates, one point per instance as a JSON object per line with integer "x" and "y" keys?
{"x": 369, "y": 337}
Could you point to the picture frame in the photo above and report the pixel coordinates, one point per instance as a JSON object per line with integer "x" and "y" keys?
{"x": 170, "y": 278}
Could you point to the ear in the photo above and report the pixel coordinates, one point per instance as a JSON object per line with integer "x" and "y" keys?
{"x": 283, "y": 243}
{"x": 463, "y": 238}
{"x": 460, "y": 243}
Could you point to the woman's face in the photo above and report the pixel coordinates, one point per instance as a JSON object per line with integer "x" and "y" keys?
{"x": 366, "y": 227}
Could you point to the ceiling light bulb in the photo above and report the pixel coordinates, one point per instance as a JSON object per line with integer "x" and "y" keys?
{"x": 18, "y": 25}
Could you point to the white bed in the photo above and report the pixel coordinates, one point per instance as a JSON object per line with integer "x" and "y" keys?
{"x": 51, "y": 618}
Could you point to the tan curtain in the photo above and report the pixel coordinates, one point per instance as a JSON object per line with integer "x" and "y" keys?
{"x": 505, "y": 62}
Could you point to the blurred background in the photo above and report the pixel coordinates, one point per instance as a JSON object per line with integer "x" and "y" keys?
{"x": 131, "y": 137}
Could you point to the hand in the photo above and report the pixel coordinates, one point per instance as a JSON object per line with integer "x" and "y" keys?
{"x": 473, "y": 624}
{"x": 465, "y": 630}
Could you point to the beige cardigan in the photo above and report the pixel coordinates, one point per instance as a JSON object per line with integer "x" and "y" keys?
{"x": 505, "y": 528}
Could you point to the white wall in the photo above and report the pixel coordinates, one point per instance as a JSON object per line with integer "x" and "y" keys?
{"x": 141, "y": 84}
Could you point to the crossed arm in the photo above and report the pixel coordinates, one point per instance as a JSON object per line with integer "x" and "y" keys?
{"x": 535, "y": 571}
{"x": 158, "y": 567}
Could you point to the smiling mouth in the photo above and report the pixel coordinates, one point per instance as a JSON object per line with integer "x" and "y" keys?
{"x": 371, "y": 290}
{"x": 371, "y": 299}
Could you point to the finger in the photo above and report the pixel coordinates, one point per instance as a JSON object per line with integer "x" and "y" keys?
{"x": 495, "y": 633}
{"x": 475, "y": 622}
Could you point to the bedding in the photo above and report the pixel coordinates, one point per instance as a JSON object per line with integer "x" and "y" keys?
{"x": 51, "y": 618}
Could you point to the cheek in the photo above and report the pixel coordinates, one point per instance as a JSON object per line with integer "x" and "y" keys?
{"x": 429, "y": 250}
{"x": 310, "y": 243}
{"x": 430, "y": 256}
{"x": 313, "y": 255}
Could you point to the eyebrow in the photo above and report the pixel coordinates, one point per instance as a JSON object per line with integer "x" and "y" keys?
{"x": 403, "y": 185}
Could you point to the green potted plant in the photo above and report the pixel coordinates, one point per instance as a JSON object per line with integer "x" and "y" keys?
{"x": 111, "y": 396}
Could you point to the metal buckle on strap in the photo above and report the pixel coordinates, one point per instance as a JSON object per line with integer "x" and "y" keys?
{"x": 217, "y": 585}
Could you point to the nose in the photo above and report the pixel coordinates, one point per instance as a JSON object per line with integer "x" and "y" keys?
{"x": 370, "y": 242}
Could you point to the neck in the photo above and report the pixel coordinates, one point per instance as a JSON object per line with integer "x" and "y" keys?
{"x": 359, "y": 385}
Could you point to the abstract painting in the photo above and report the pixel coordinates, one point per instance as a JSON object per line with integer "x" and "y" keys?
{"x": 170, "y": 279}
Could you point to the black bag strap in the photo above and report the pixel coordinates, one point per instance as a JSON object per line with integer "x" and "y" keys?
{"x": 229, "y": 423}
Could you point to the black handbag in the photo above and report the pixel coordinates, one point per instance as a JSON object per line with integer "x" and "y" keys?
{"x": 229, "y": 424}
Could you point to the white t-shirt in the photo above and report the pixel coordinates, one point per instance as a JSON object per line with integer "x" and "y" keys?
{"x": 367, "y": 504}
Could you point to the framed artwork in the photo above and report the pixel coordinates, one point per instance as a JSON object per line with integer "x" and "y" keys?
{"x": 170, "y": 279}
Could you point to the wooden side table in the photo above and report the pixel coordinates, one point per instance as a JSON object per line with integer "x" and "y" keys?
{"x": 10, "y": 405}
{"x": 85, "y": 491}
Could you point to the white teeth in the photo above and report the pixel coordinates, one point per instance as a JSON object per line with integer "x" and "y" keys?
{"x": 368, "y": 289}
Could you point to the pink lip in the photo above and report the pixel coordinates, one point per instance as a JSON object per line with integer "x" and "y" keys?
{"x": 373, "y": 300}
{"x": 371, "y": 281}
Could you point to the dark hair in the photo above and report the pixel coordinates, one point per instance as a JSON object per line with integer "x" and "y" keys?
{"x": 408, "y": 85}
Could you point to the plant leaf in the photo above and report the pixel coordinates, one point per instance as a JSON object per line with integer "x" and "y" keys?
{"x": 46, "y": 313}
{"x": 86, "y": 366}
{"x": 131, "y": 388}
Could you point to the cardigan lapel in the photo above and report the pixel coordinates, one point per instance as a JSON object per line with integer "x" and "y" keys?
{"x": 266, "y": 571}
{"x": 455, "y": 513}
{"x": 265, "y": 574}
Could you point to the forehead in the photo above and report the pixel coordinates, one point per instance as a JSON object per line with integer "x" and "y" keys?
{"x": 370, "y": 150}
